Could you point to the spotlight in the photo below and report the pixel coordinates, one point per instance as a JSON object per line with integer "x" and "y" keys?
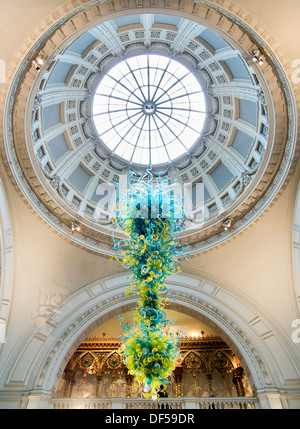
{"x": 257, "y": 57}
{"x": 75, "y": 226}
{"x": 227, "y": 225}
{"x": 38, "y": 62}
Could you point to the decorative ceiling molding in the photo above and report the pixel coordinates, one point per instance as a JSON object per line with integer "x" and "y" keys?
{"x": 254, "y": 185}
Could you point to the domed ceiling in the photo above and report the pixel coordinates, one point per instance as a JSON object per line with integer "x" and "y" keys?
{"x": 148, "y": 91}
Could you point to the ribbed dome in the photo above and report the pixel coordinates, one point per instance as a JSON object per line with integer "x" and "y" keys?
{"x": 151, "y": 91}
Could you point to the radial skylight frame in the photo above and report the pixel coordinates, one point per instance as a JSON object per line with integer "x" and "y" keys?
{"x": 149, "y": 109}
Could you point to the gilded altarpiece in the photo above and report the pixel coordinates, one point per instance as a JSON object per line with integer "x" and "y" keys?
{"x": 208, "y": 368}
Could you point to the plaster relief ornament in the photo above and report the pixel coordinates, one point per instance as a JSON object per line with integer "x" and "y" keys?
{"x": 151, "y": 216}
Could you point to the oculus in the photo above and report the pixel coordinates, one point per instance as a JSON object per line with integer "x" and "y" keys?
{"x": 149, "y": 109}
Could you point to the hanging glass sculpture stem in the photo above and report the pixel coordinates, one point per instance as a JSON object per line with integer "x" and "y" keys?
{"x": 150, "y": 219}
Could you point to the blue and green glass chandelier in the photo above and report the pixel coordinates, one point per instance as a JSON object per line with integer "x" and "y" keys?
{"x": 151, "y": 217}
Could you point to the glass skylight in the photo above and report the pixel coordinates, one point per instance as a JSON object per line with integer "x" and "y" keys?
{"x": 149, "y": 109}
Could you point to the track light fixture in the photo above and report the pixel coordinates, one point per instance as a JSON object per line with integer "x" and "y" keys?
{"x": 227, "y": 224}
{"x": 257, "y": 57}
{"x": 38, "y": 62}
{"x": 75, "y": 226}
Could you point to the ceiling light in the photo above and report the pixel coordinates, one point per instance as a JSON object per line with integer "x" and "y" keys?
{"x": 227, "y": 225}
{"x": 75, "y": 226}
{"x": 257, "y": 57}
{"x": 38, "y": 62}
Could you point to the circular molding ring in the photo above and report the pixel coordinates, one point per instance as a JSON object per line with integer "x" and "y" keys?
{"x": 75, "y": 18}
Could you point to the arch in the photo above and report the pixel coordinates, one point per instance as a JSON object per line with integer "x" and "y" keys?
{"x": 78, "y": 359}
{"x": 6, "y": 263}
{"x": 222, "y": 352}
{"x": 47, "y": 350}
{"x": 105, "y": 361}
{"x": 296, "y": 246}
{"x": 194, "y": 352}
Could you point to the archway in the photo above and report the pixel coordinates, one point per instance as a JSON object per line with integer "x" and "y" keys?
{"x": 208, "y": 367}
{"x": 81, "y": 312}
{"x": 296, "y": 246}
{"x": 6, "y": 263}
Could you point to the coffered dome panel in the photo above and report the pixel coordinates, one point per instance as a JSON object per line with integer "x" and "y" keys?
{"x": 183, "y": 97}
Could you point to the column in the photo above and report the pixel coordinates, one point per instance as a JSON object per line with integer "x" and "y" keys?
{"x": 98, "y": 378}
{"x": 177, "y": 373}
{"x": 238, "y": 374}
{"x": 209, "y": 379}
{"x": 129, "y": 380}
{"x": 68, "y": 376}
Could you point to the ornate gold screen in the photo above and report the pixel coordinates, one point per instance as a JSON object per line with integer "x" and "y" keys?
{"x": 208, "y": 368}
